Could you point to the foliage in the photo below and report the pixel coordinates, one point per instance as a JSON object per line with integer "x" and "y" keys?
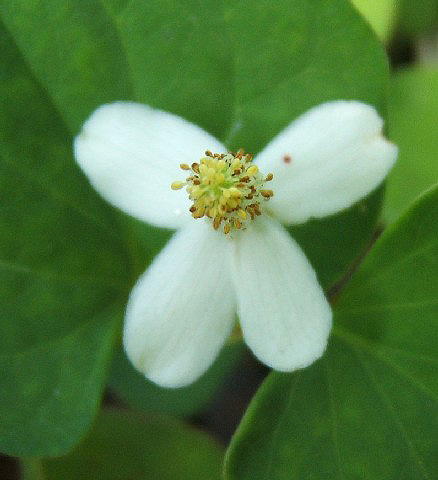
{"x": 242, "y": 71}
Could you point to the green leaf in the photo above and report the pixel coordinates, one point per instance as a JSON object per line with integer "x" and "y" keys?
{"x": 380, "y": 14}
{"x": 31, "y": 469}
{"x": 50, "y": 392}
{"x": 68, "y": 260}
{"x": 416, "y": 18}
{"x": 346, "y": 233}
{"x": 72, "y": 50}
{"x": 413, "y": 107}
{"x": 63, "y": 271}
{"x": 123, "y": 446}
{"x": 369, "y": 408}
{"x": 132, "y": 387}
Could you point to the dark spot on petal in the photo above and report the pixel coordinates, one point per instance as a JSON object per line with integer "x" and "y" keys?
{"x": 287, "y": 159}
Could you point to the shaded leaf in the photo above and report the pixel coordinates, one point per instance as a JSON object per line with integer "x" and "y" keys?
{"x": 123, "y": 446}
{"x": 63, "y": 270}
{"x": 132, "y": 387}
{"x": 417, "y": 17}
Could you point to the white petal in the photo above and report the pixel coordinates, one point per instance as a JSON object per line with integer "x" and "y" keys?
{"x": 326, "y": 160}
{"x": 131, "y": 155}
{"x": 182, "y": 309}
{"x": 284, "y": 314}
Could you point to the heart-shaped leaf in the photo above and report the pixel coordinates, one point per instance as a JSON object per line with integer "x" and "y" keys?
{"x": 63, "y": 268}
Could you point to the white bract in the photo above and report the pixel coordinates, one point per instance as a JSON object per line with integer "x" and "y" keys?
{"x": 184, "y": 306}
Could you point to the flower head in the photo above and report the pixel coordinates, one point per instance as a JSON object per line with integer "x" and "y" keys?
{"x": 183, "y": 307}
{"x": 225, "y": 187}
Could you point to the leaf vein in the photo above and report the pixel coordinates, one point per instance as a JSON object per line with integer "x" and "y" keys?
{"x": 275, "y": 433}
{"x": 393, "y": 413}
{"x": 60, "y": 198}
{"x": 55, "y": 276}
{"x": 401, "y": 261}
{"x": 333, "y": 417}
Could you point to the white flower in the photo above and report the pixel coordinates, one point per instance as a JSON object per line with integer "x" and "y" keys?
{"x": 183, "y": 307}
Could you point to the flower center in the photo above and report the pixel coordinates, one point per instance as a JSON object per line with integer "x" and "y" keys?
{"x": 226, "y": 188}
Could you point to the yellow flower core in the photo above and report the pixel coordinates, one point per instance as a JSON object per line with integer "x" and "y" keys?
{"x": 226, "y": 188}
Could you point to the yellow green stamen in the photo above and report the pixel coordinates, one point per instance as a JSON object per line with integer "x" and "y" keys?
{"x": 226, "y": 188}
